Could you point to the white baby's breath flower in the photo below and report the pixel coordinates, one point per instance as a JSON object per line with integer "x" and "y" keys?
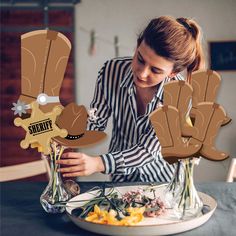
{"x": 91, "y": 113}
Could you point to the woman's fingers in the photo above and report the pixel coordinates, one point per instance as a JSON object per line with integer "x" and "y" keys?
{"x": 71, "y": 158}
{"x": 79, "y": 164}
{"x": 72, "y": 155}
{"x": 69, "y": 162}
{"x": 71, "y": 169}
{"x": 72, "y": 164}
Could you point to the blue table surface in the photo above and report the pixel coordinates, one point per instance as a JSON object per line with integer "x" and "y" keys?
{"x": 22, "y": 214}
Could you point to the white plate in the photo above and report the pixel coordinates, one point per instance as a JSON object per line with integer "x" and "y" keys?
{"x": 161, "y": 225}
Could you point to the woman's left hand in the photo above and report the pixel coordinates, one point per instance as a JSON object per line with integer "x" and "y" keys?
{"x": 79, "y": 164}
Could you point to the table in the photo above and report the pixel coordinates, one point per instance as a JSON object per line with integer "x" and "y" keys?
{"x": 22, "y": 214}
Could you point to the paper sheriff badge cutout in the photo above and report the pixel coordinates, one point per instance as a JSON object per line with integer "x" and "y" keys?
{"x": 40, "y": 128}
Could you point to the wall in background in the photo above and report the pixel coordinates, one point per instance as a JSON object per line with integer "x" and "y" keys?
{"x": 15, "y": 22}
{"x": 126, "y": 18}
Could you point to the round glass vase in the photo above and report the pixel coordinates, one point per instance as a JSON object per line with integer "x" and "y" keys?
{"x": 181, "y": 195}
{"x": 55, "y": 193}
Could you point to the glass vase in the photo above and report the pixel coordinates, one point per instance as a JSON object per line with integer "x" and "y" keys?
{"x": 55, "y": 192}
{"x": 175, "y": 186}
{"x": 181, "y": 195}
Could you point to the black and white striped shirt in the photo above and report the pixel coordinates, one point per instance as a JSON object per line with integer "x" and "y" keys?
{"x": 134, "y": 151}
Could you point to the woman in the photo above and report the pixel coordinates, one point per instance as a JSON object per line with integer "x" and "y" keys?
{"x": 129, "y": 89}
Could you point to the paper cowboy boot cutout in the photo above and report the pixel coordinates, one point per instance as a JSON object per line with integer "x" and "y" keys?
{"x": 205, "y": 87}
{"x": 166, "y": 123}
{"x": 44, "y": 57}
{"x": 179, "y": 94}
{"x": 209, "y": 117}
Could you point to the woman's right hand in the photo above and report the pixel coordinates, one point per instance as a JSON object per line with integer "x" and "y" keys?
{"x": 74, "y": 164}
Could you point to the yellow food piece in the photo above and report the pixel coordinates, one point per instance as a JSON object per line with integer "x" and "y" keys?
{"x": 104, "y": 217}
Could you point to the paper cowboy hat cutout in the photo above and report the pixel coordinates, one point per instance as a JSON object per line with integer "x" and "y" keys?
{"x": 44, "y": 57}
{"x": 74, "y": 119}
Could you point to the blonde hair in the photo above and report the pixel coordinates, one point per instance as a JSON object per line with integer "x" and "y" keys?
{"x": 178, "y": 40}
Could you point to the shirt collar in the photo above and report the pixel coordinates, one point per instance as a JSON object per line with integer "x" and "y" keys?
{"x": 160, "y": 89}
{"x": 128, "y": 78}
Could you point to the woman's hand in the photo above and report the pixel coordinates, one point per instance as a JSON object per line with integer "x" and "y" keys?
{"x": 79, "y": 164}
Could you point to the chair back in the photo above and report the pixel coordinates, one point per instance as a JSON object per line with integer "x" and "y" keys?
{"x": 232, "y": 171}
{"x": 25, "y": 170}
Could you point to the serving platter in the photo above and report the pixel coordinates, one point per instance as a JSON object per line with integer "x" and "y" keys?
{"x": 161, "y": 225}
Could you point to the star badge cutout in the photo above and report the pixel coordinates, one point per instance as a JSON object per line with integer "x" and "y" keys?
{"x": 40, "y": 127}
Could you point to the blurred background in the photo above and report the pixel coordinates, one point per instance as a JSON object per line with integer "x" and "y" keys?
{"x": 100, "y": 30}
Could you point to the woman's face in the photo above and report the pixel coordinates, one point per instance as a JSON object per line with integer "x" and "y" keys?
{"x": 148, "y": 68}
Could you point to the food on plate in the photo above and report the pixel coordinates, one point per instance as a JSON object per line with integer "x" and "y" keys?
{"x": 112, "y": 207}
{"x": 135, "y": 215}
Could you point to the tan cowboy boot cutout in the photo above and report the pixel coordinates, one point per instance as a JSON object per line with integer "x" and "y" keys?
{"x": 209, "y": 118}
{"x": 165, "y": 121}
{"x": 44, "y": 57}
{"x": 205, "y": 87}
{"x": 179, "y": 94}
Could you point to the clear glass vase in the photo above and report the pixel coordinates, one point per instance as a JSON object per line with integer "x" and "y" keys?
{"x": 55, "y": 192}
{"x": 181, "y": 195}
{"x": 175, "y": 186}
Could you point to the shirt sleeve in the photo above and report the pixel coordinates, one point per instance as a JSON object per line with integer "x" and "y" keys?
{"x": 100, "y": 104}
{"x": 146, "y": 151}
{"x": 124, "y": 162}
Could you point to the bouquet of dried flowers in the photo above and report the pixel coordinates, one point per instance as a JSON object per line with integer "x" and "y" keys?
{"x": 181, "y": 194}
{"x": 112, "y": 207}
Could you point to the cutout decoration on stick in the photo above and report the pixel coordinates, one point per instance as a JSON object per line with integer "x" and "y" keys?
{"x": 44, "y": 57}
{"x": 74, "y": 119}
{"x": 169, "y": 121}
{"x": 40, "y": 127}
